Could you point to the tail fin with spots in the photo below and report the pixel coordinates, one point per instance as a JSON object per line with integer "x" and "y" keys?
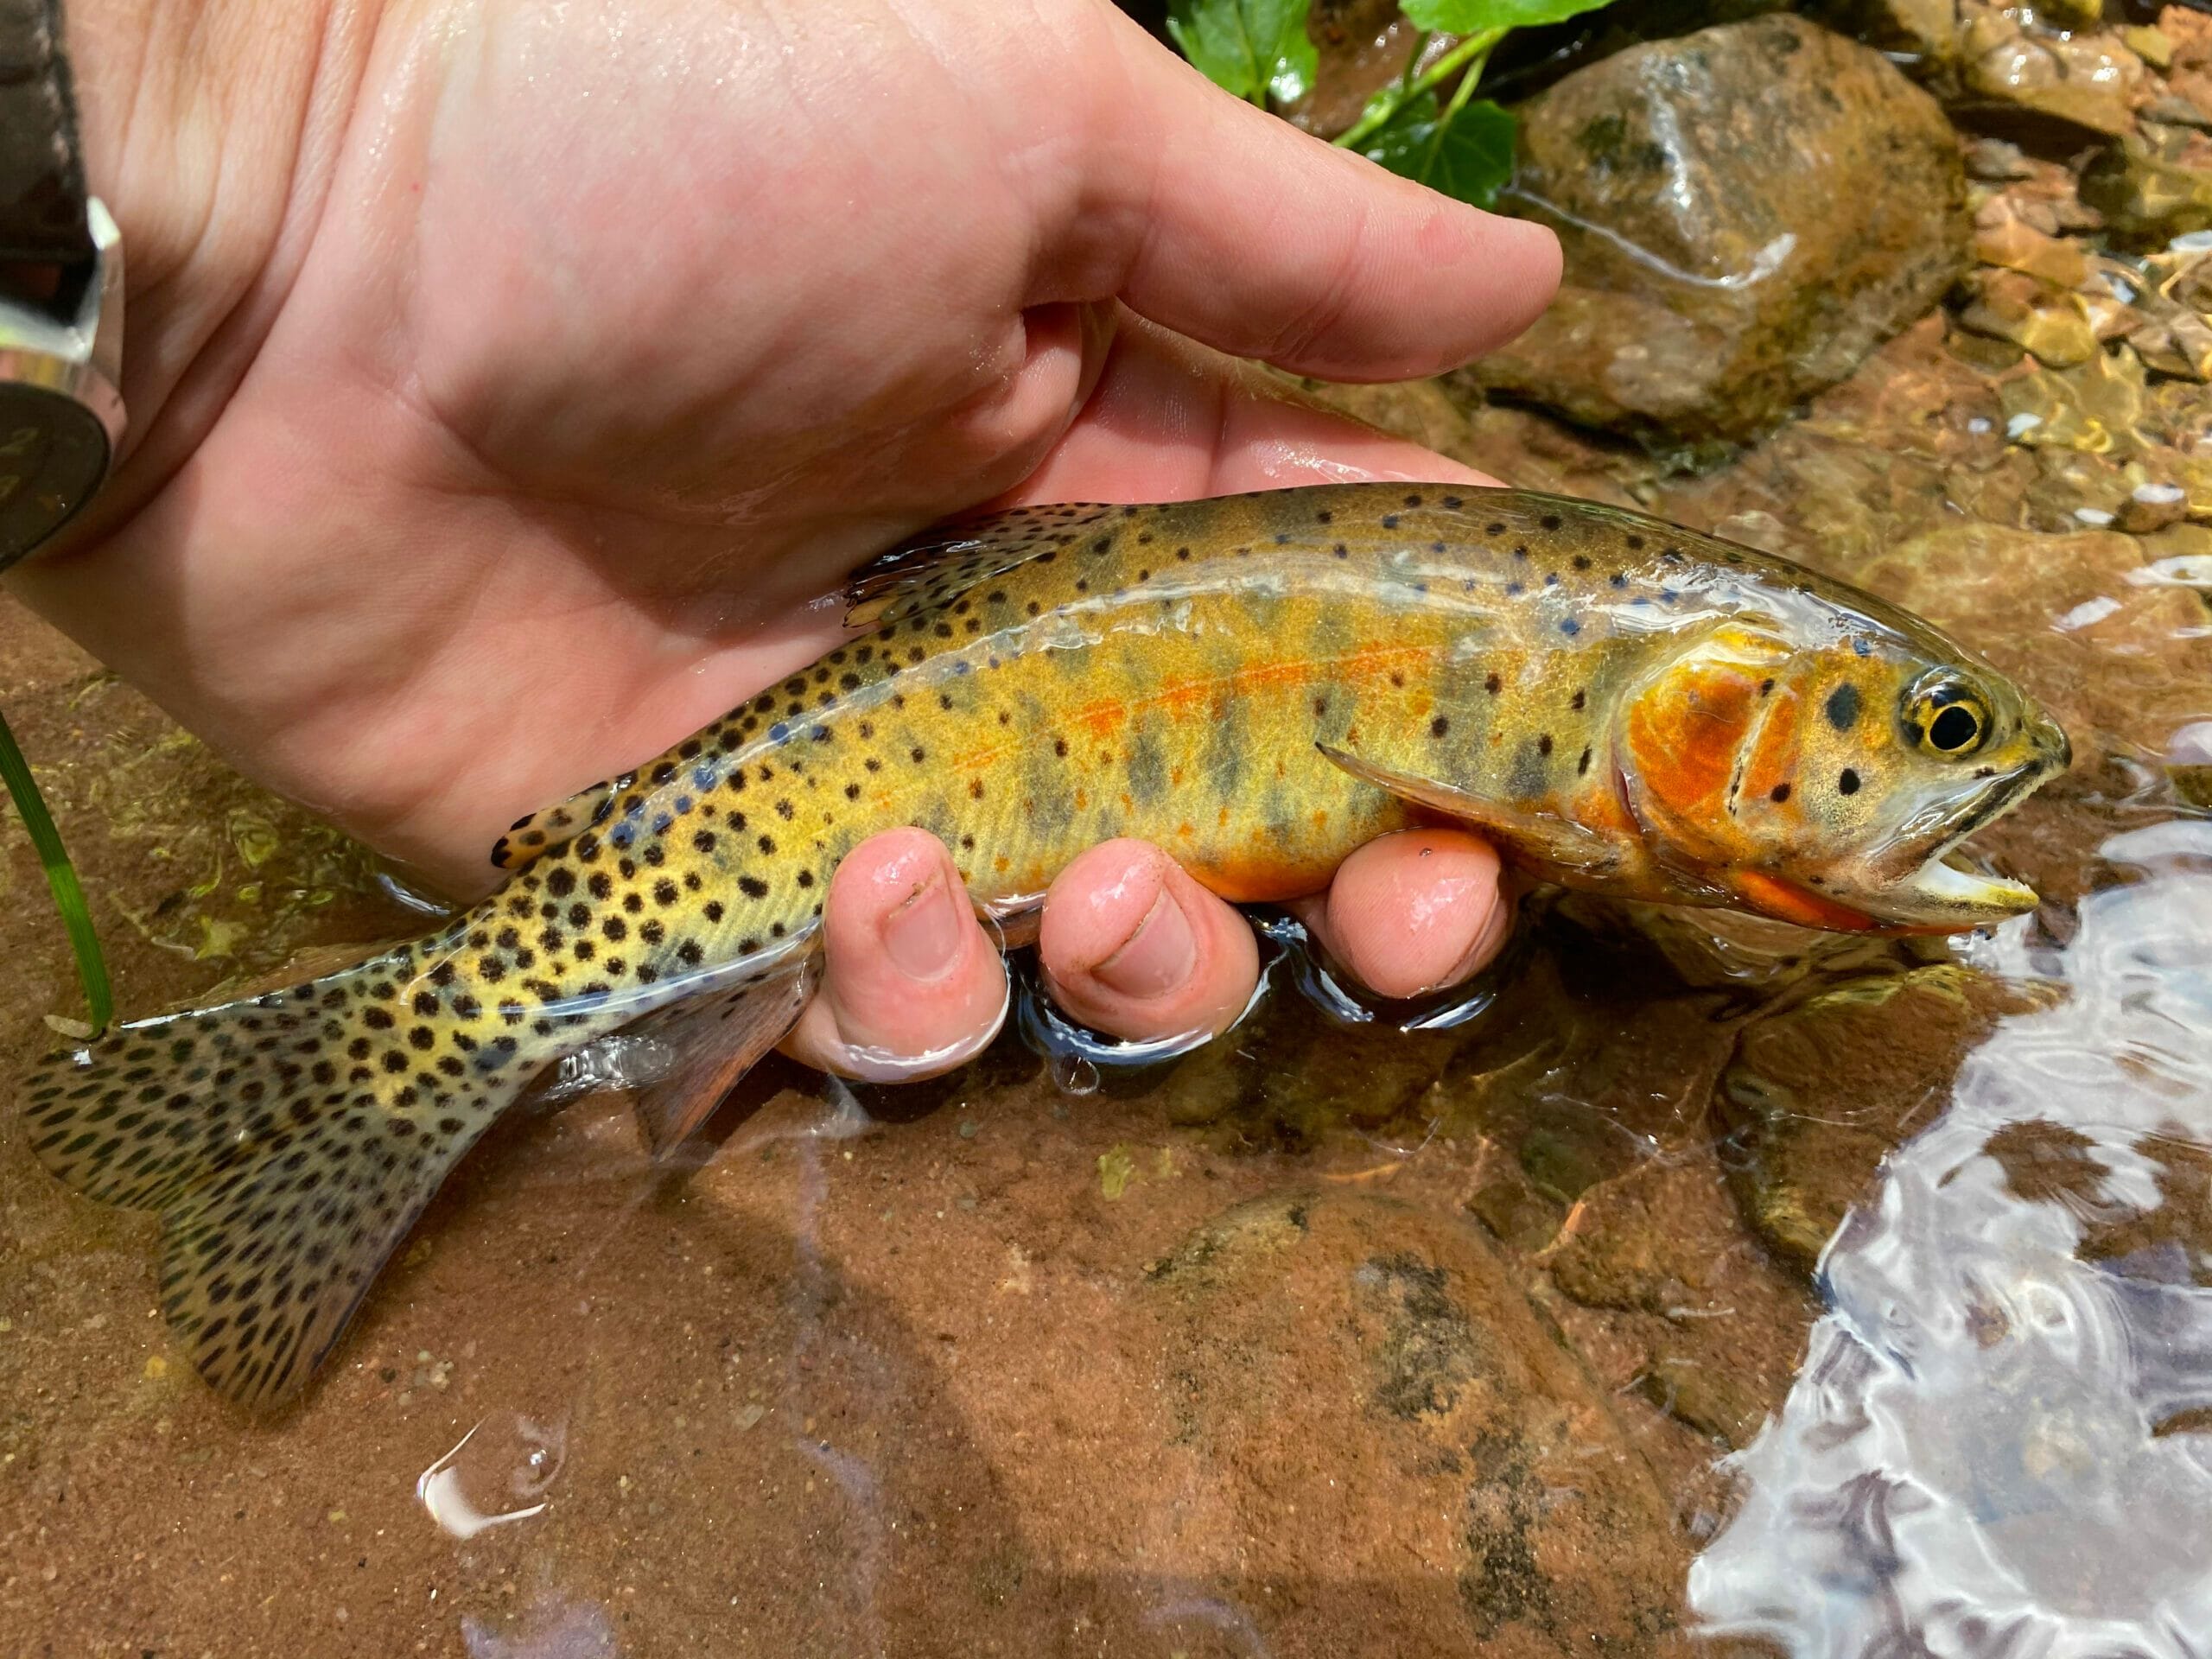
{"x": 289, "y": 1141}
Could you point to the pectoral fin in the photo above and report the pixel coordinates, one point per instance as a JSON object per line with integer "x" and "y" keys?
{"x": 1535, "y": 836}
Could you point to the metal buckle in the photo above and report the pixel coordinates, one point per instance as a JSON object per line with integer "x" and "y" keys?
{"x": 61, "y": 415}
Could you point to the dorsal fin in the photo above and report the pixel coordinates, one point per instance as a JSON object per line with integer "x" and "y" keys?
{"x": 533, "y": 836}
{"x": 940, "y": 565}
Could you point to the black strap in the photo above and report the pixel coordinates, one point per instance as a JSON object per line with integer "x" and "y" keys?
{"x": 41, "y": 169}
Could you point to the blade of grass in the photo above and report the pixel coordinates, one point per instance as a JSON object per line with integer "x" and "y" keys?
{"x": 61, "y": 876}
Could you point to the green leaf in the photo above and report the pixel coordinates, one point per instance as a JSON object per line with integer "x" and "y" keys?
{"x": 1466, "y": 153}
{"x": 60, "y": 876}
{"x": 1472, "y": 16}
{"x": 1251, "y": 47}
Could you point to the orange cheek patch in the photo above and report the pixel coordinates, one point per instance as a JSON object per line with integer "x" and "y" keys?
{"x": 1683, "y": 737}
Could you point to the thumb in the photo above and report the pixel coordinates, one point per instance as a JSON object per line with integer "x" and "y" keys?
{"x": 1222, "y": 222}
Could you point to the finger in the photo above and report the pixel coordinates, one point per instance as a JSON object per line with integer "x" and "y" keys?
{"x": 1412, "y": 913}
{"x": 1133, "y": 947}
{"x": 1170, "y": 420}
{"x": 1222, "y": 222}
{"x": 912, "y": 984}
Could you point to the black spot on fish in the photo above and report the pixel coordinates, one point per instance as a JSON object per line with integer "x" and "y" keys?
{"x": 1493, "y": 685}
{"x": 1778, "y": 794}
{"x": 1544, "y": 744}
{"x": 1579, "y": 697}
{"x": 753, "y": 887}
{"x": 1550, "y": 521}
{"x": 1848, "y": 784}
{"x": 1842, "y": 707}
{"x": 1437, "y": 727}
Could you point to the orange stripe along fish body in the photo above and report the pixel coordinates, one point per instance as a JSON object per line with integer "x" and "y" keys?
{"x": 1258, "y": 684}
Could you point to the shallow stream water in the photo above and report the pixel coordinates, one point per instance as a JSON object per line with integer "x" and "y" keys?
{"x": 1685, "y": 1281}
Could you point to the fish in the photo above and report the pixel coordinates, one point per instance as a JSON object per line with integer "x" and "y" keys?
{"x": 1258, "y": 684}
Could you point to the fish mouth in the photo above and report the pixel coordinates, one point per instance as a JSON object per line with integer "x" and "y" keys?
{"x": 1927, "y": 885}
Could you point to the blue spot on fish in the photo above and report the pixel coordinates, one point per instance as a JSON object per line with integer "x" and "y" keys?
{"x": 779, "y": 733}
{"x": 622, "y": 834}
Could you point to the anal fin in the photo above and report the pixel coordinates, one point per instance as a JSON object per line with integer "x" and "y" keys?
{"x": 716, "y": 1040}
{"x": 1533, "y": 834}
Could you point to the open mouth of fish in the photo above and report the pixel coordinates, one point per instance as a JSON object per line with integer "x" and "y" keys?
{"x": 1933, "y": 878}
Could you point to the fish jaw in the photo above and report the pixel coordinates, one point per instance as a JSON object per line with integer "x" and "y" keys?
{"x": 1917, "y": 886}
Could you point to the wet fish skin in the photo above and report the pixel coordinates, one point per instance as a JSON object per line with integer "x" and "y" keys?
{"x": 1258, "y": 684}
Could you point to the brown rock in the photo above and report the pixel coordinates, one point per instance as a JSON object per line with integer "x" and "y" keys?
{"x": 1661, "y": 1252}
{"x": 2012, "y": 242}
{"x": 2147, "y": 196}
{"x": 1364, "y": 1381}
{"x": 1924, "y": 32}
{"x": 1821, "y": 1092}
{"x": 2083, "y": 80}
{"x": 1745, "y": 212}
{"x": 1361, "y": 46}
{"x": 2049, "y": 323}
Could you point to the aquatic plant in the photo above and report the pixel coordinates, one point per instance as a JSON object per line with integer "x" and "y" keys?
{"x": 1259, "y": 50}
{"x": 60, "y": 876}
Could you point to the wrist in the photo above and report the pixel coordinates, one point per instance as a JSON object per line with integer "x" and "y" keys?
{"x": 208, "y": 127}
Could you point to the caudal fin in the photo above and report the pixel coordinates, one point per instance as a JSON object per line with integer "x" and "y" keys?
{"x": 289, "y": 1141}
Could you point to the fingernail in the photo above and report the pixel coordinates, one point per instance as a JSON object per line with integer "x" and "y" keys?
{"x": 922, "y": 936}
{"x": 1157, "y": 957}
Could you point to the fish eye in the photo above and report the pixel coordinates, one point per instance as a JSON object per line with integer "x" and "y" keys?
{"x": 1947, "y": 717}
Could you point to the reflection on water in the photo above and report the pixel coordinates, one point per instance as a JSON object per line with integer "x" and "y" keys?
{"x": 500, "y": 1472}
{"x": 1997, "y": 1444}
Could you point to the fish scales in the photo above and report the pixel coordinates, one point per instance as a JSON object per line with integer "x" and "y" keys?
{"x": 1257, "y": 683}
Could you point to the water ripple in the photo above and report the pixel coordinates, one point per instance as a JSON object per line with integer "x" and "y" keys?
{"x": 1997, "y": 1444}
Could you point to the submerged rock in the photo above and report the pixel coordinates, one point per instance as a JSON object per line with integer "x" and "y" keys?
{"x": 1311, "y": 1334}
{"x": 1745, "y": 212}
{"x": 2149, "y": 191}
{"x": 1821, "y": 1093}
{"x": 2066, "y": 73}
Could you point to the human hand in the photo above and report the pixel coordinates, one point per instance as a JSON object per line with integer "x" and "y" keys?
{"x": 510, "y": 382}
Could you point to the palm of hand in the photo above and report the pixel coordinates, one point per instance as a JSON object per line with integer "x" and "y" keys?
{"x": 612, "y": 346}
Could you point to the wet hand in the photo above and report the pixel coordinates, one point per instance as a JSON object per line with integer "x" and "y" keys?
{"x": 534, "y": 373}
{"x": 1131, "y": 946}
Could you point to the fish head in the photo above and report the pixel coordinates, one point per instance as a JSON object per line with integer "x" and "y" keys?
{"x": 1826, "y": 783}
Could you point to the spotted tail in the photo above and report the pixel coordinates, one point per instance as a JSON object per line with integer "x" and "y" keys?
{"x": 289, "y": 1141}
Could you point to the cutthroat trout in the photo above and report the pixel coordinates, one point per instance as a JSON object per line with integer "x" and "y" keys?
{"x": 1257, "y": 683}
